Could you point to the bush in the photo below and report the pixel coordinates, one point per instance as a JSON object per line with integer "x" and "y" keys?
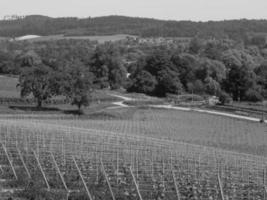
{"x": 225, "y": 98}
{"x": 253, "y": 95}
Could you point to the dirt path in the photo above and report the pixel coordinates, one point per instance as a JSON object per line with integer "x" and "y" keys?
{"x": 121, "y": 104}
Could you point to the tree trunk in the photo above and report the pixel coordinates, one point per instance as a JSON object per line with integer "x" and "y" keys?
{"x": 80, "y": 111}
{"x": 39, "y": 103}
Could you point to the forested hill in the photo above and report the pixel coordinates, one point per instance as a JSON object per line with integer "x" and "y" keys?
{"x": 42, "y": 25}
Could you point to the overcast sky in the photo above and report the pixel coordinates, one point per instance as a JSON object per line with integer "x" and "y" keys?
{"x": 197, "y": 10}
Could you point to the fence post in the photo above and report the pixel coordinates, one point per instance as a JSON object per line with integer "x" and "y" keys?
{"x": 136, "y": 185}
{"x": 42, "y": 171}
{"x": 59, "y": 172}
{"x": 81, "y": 176}
{"x": 221, "y": 187}
{"x": 10, "y": 161}
{"x": 106, "y": 177}
{"x": 23, "y": 163}
{"x": 176, "y": 186}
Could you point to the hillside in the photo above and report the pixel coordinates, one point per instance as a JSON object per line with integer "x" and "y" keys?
{"x": 108, "y": 25}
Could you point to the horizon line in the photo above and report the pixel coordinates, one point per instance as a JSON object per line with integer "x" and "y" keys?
{"x": 2, "y": 18}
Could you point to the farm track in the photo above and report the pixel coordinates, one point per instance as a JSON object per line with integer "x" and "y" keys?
{"x": 253, "y": 119}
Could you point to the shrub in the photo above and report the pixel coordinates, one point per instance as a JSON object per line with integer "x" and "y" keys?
{"x": 225, "y": 98}
{"x": 253, "y": 95}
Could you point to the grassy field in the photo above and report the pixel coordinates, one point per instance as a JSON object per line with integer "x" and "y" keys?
{"x": 8, "y": 87}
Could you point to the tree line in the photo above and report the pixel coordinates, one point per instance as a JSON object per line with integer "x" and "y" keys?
{"x": 72, "y": 68}
{"x": 223, "y": 68}
{"x": 43, "y": 25}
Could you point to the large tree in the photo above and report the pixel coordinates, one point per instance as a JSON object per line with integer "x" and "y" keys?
{"x": 156, "y": 75}
{"x": 36, "y": 78}
{"x": 39, "y": 81}
{"x": 186, "y": 65}
{"x": 107, "y": 66}
{"x": 77, "y": 84}
{"x": 143, "y": 82}
{"x": 240, "y": 73}
{"x": 7, "y": 65}
{"x": 261, "y": 73}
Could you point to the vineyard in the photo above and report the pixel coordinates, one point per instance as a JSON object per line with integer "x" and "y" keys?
{"x": 68, "y": 161}
{"x": 197, "y": 128}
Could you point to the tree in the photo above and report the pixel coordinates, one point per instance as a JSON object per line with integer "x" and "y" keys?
{"x": 107, "y": 67}
{"x": 38, "y": 80}
{"x": 195, "y": 46}
{"x": 7, "y": 65}
{"x": 196, "y": 87}
{"x": 77, "y": 84}
{"x": 186, "y": 66}
{"x": 159, "y": 64}
{"x": 240, "y": 77}
{"x": 157, "y": 61}
{"x": 156, "y": 75}
{"x": 212, "y": 86}
{"x": 253, "y": 95}
{"x": 143, "y": 82}
{"x": 117, "y": 77}
{"x": 258, "y": 40}
{"x": 168, "y": 82}
{"x": 211, "y": 73}
{"x": 261, "y": 73}
{"x": 30, "y": 58}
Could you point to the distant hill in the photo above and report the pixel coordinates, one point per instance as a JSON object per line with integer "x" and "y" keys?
{"x": 99, "y": 39}
{"x": 43, "y": 25}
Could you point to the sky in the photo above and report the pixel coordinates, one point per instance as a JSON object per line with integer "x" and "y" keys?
{"x": 196, "y": 10}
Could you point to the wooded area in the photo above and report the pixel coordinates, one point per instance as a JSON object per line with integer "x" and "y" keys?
{"x": 229, "y": 68}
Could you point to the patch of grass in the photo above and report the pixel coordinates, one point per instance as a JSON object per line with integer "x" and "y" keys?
{"x": 103, "y": 96}
{"x": 144, "y": 102}
{"x": 8, "y": 87}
